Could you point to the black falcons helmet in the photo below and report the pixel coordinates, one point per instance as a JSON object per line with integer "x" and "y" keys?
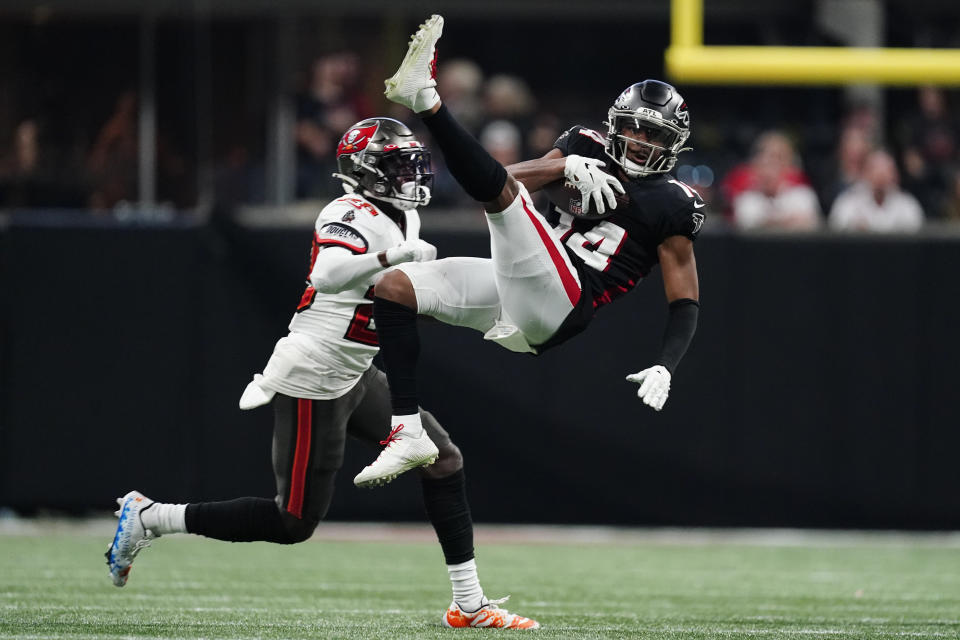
{"x": 656, "y": 110}
{"x": 380, "y": 158}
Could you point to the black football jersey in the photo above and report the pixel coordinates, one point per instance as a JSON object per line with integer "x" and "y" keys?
{"x": 613, "y": 254}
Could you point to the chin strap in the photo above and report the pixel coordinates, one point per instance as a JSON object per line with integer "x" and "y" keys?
{"x": 408, "y": 202}
{"x": 408, "y": 189}
{"x": 350, "y": 185}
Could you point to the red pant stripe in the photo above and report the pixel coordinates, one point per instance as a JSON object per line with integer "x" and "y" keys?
{"x": 301, "y": 458}
{"x": 569, "y": 282}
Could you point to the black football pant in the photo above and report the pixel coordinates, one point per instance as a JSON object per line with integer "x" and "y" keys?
{"x": 308, "y": 444}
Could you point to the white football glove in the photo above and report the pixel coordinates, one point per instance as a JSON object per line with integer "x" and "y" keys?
{"x": 654, "y": 385}
{"x": 594, "y": 184}
{"x": 411, "y": 251}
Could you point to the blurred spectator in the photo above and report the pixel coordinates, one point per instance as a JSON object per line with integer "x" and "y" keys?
{"x": 23, "y": 158}
{"x": 851, "y": 153}
{"x": 877, "y": 203}
{"x": 112, "y": 163}
{"x": 332, "y": 102}
{"x": 543, "y": 133}
{"x": 509, "y": 98}
{"x": 459, "y": 82}
{"x": 502, "y": 140}
{"x": 26, "y": 148}
{"x": 19, "y": 170}
{"x": 33, "y": 174}
{"x": 929, "y": 146}
{"x": 863, "y": 117}
{"x": 742, "y": 177}
{"x": 771, "y": 192}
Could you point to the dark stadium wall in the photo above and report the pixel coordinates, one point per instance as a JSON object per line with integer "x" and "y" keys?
{"x": 819, "y": 390}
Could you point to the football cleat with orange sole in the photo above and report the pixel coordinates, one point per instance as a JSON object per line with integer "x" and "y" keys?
{"x": 489, "y": 616}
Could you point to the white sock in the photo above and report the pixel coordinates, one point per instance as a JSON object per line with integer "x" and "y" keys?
{"x": 411, "y": 424}
{"x": 425, "y": 100}
{"x": 467, "y": 591}
{"x": 163, "y": 518}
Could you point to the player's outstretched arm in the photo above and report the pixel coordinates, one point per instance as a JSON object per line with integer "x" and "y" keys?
{"x": 681, "y": 285}
{"x": 337, "y": 269}
{"x": 537, "y": 173}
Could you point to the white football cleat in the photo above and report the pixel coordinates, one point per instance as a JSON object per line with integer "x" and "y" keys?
{"x": 413, "y": 85}
{"x": 131, "y": 537}
{"x": 489, "y": 616}
{"x": 401, "y": 453}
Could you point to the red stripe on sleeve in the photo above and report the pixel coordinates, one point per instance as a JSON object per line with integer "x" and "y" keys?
{"x": 301, "y": 458}
{"x": 340, "y": 243}
{"x": 569, "y": 282}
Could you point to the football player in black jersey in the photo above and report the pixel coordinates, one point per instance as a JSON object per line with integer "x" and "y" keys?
{"x": 549, "y": 274}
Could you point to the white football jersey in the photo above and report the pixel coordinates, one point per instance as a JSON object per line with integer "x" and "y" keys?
{"x": 332, "y": 338}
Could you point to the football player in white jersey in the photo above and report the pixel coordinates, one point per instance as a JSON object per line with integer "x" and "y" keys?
{"x": 323, "y": 386}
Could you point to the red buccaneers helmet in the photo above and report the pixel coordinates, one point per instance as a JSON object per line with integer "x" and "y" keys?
{"x": 381, "y": 159}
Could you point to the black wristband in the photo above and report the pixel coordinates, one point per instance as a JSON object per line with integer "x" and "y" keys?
{"x": 681, "y": 325}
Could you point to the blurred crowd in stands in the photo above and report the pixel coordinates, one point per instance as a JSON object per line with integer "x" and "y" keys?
{"x": 890, "y": 177}
{"x": 867, "y": 185}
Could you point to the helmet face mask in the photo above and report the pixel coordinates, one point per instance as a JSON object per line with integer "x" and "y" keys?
{"x": 646, "y": 128}
{"x": 403, "y": 174}
{"x": 380, "y": 158}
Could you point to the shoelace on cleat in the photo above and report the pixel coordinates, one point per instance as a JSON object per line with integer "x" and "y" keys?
{"x": 499, "y": 601}
{"x": 392, "y": 436}
{"x": 142, "y": 544}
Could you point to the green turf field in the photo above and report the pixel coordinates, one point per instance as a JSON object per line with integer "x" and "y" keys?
{"x": 56, "y": 586}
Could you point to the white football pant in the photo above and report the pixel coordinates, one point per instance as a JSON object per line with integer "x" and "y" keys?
{"x": 529, "y": 283}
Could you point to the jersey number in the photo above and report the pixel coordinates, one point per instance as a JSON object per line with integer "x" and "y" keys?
{"x": 361, "y": 325}
{"x": 596, "y": 246}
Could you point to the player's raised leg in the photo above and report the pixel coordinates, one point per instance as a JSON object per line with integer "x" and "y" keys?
{"x": 538, "y": 283}
{"x": 414, "y": 86}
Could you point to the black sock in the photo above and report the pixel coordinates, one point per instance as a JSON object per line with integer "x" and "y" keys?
{"x": 449, "y": 512}
{"x": 478, "y": 173}
{"x": 240, "y": 520}
{"x": 400, "y": 349}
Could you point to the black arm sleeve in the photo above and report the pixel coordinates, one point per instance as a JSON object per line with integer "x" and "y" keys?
{"x": 681, "y": 326}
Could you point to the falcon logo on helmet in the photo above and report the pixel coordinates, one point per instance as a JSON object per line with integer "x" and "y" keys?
{"x": 381, "y": 159}
{"x": 647, "y": 127}
{"x": 682, "y": 115}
